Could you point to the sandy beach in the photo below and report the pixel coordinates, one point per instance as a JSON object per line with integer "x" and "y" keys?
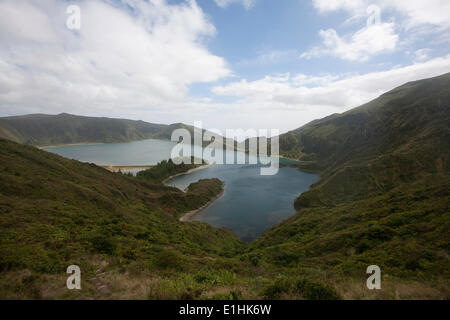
{"x": 187, "y": 172}
{"x": 124, "y": 168}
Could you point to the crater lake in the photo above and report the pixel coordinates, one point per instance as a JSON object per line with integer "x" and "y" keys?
{"x": 251, "y": 203}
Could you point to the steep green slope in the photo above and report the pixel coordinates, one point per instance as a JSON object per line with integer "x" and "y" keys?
{"x": 409, "y": 114}
{"x": 401, "y": 137}
{"x": 384, "y": 192}
{"x": 55, "y": 212}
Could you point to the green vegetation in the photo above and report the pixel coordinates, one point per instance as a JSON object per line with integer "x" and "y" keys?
{"x": 383, "y": 199}
{"x": 166, "y": 169}
{"x": 55, "y": 212}
{"x": 302, "y": 288}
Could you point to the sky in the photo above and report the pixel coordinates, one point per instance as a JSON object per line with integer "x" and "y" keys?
{"x": 260, "y": 64}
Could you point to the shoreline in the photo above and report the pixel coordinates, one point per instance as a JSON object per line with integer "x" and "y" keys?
{"x": 114, "y": 168}
{"x": 187, "y": 217}
{"x": 69, "y": 144}
{"x": 292, "y": 159}
{"x": 205, "y": 166}
{"x": 93, "y": 143}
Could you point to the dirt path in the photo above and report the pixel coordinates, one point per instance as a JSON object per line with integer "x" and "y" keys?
{"x": 101, "y": 285}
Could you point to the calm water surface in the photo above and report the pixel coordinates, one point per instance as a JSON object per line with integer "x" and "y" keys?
{"x": 146, "y": 152}
{"x": 251, "y": 203}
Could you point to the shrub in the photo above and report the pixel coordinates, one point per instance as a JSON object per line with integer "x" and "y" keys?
{"x": 167, "y": 259}
{"x": 103, "y": 244}
{"x": 232, "y": 295}
{"x": 315, "y": 290}
{"x": 212, "y": 277}
{"x": 285, "y": 259}
{"x": 308, "y": 289}
{"x": 276, "y": 289}
{"x": 254, "y": 258}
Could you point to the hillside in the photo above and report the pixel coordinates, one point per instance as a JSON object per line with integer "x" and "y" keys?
{"x": 383, "y": 197}
{"x": 43, "y": 130}
{"x": 401, "y": 137}
{"x": 55, "y": 212}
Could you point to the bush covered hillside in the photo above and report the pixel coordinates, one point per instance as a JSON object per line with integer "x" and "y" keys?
{"x": 383, "y": 197}
{"x": 55, "y": 212}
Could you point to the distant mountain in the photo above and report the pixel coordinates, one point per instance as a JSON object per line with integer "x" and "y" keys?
{"x": 42, "y": 129}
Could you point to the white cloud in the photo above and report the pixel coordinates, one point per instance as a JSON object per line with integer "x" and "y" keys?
{"x": 422, "y": 54}
{"x": 360, "y": 46}
{"x": 295, "y": 100}
{"x": 419, "y": 12}
{"x": 127, "y": 55}
{"x": 416, "y": 12}
{"x": 415, "y": 21}
{"x": 270, "y": 58}
{"x": 332, "y": 5}
{"x": 246, "y": 3}
{"x": 24, "y": 22}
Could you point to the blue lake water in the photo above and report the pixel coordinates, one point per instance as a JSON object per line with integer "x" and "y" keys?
{"x": 145, "y": 152}
{"x": 251, "y": 203}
